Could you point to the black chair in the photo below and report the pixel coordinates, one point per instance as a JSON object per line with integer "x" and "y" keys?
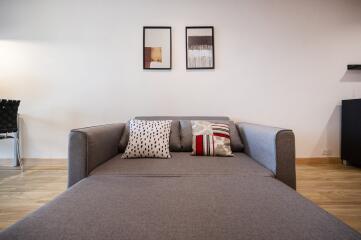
{"x": 9, "y": 125}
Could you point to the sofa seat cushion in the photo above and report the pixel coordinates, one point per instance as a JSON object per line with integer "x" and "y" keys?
{"x": 192, "y": 208}
{"x": 183, "y": 164}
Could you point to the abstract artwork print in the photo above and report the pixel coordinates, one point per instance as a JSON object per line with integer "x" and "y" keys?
{"x": 157, "y": 48}
{"x": 200, "y": 47}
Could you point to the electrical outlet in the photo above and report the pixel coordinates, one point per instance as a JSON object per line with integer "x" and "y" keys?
{"x": 326, "y": 152}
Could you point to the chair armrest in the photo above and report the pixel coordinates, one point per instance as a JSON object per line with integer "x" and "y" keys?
{"x": 90, "y": 147}
{"x": 274, "y": 148}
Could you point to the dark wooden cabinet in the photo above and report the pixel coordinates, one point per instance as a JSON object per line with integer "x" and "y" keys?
{"x": 351, "y": 132}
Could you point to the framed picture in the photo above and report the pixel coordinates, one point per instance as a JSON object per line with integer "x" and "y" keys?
{"x": 200, "y": 47}
{"x": 157, "y": 48}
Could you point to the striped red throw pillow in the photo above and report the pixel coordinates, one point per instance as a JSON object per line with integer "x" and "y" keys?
{"x": 211, "y": 139}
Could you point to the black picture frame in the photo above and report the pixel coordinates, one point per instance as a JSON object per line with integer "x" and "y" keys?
{"x": 170, "y": 49}
{"x": 354, "y": 67}
{"x": 212, "y": 37}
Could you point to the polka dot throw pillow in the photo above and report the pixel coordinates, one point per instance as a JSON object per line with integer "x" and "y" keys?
{"x": 148, "y": 139}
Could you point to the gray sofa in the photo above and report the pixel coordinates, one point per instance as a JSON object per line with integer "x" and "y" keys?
{"x": 248, "y": 196}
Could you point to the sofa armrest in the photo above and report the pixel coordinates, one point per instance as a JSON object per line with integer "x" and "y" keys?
{"x": 90, "y": 147}
{"x": 274, "y": 148}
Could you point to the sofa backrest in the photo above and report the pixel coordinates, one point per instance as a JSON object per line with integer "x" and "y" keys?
{"x": 182, "y": 118}
{"x": 181, "y": 132}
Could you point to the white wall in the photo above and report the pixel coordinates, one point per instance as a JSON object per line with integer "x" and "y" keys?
{"x": 75, "y": 63}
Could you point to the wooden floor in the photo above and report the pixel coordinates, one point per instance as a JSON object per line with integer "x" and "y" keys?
{"x": 334, "y": 187}
{"x": 23, "y": 192}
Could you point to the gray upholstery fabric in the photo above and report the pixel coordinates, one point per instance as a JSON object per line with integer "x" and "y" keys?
{"x": 123, "y": 142}
{"x": 274, "y": 148}
{"x": 183, "y": 164}
{"x": 286, "y": 158}
{"x": 186, "y": 135}
{"x": 191, "y": 208}
{"x": 183, "y": 118}
{"x": 89, "y": 147}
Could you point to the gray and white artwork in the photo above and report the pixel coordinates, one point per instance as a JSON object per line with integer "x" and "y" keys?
{"x": 200, "y": 48}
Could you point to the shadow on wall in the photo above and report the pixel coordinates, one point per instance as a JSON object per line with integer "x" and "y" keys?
{"x": 329, "y": 142}
{"x": 351, "y": 76}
